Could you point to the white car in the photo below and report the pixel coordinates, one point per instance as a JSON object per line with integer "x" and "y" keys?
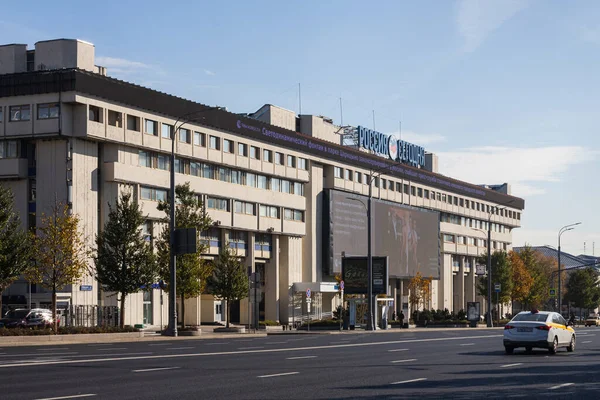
{"x": 539, "y": 329}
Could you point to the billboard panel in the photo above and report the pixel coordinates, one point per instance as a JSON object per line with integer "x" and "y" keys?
{"x": 355, "y": 275}
{"x": 408, "y": 236}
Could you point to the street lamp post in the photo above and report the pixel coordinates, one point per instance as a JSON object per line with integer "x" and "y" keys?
{"x": 172, "y": 328}
{"x": 562, "y": 230}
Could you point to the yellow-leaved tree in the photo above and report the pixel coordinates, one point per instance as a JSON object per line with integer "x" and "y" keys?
{"x": 420, "y": 291}
{"x": 59, "y": 252}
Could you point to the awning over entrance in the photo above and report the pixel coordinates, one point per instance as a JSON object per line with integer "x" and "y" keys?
{"x": 323, "y": 287}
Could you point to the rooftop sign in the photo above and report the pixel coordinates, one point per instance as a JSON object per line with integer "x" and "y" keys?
{"x": 391, "y": 147}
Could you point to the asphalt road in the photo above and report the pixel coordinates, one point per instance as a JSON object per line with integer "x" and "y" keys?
{"x": 457, "y": 364}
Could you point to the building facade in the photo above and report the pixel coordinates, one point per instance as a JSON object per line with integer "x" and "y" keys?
{"x": 69, "y": 132}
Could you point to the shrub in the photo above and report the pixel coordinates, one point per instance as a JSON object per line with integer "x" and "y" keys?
{"x": 269, "y": 322}
{"x": 461, "y": 315}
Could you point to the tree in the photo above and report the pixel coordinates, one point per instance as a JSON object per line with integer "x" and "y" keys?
{"x": 125, "y": 262}
{"x": 15, "y": 249}
{"x": 192, "y": 270}
{"x": 521, "y": 278}
{"x": 501, "y": 273}
{"x": 420, "y": 291}
{"x": 542, "y": 271}
{"x": 229, "y": 281}
{"x": 59, "y": 252}
{"x": 582, "y": 288}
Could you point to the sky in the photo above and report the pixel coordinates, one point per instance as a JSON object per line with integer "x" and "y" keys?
{"x": 502, "y": 91}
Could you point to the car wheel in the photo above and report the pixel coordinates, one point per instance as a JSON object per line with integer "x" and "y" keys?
{"x": 509, "y": 350}
{"x": 554, "y": 346}
{"x": 571, "y": 347}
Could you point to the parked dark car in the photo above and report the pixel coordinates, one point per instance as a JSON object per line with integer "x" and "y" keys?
{"x": 26, "y": 318}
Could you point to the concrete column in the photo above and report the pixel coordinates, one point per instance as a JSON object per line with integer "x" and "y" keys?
{"x": 445, "y": 289}
{"x": 461, "y": 285}
{"x": 471, "y": 290}
{"x": 272, "y": 283}
{"x": 248, "y": 261}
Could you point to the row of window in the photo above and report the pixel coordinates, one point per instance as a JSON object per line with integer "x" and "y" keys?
{"x": 243, "y": 207}
{"x": 240, "y": 207}
{"x": 224, "y": 174}
{"x": 470, "y": 241}
{"x": 472, "y": 223}
{"x": 23, "y": 112}
{"x": 387, "y": 184}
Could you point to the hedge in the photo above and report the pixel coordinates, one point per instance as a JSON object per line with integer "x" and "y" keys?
{"x": 66, "y": 330}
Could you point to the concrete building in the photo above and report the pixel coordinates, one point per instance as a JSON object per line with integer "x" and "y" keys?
{"x": 71, "y": 133}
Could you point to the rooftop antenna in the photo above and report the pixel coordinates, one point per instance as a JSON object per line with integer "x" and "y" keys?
{"x": 341, "y": 113}
{"x": 373, "y": 119}
{"x": 400, "y": 130}
{"x": 583, "y": 248}
{"x": 299, "y": 100}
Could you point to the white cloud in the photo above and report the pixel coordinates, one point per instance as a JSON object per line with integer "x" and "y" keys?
{"x": 120, "y": 64}
{"x": 209, "y": 72}
{"x": 523, "y": 168}
{"x": 476, "y": 19}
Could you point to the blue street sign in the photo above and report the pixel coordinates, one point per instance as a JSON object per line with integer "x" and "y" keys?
{"x": 308, "y": 293}
{"x": 497, "y": 288}
{"x": 336, "y": 287}
{"x": 85, "y": 288}
{"x": 342, "y": 285}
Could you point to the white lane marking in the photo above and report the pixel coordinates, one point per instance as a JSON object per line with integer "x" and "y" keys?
{"x": 300, "y": 358}
{"x": 53, "y": 349}
{"x": 76, "y": 396}
{"x": 403, "y": 361}
{"x": 398, "y": 350}
{"x": 238, "y": 352}
{"x": 33, "y": 355}
{"x": 214, "y": 344}
{"x": 154, "y": 369}
{"x": 161, "y": 344}
{"x": 587, "y": 341}
{"x": 274, "y": 375}
{"x": 467, "y": 344}
{"x": 179, "y": 348}
{"x": 101, "y": 344}
{"x": 250, "y": 348}
{"x": 510, "y": 365}
{"x": 560, "y": 386}
{"x": 276, "y": 343}
{"x": 409, "y": 381}
{"x": 113, "y": 348}
{"x": 591, "y": 334}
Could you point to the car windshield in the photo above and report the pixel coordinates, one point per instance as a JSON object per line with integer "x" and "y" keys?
{"x": 17, "y": 314}
{"x": 531, "y": 317}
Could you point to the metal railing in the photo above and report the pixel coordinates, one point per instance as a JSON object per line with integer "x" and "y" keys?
{"x": 89, "y": 315}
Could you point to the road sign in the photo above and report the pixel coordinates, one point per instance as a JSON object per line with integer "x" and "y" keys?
{"x": 552, "y": 292}
{"x": 308, "y": 293}
{"x": 497, "y": 288}
{"x": 342, "y": 285}
{"x": 479, "y": 269}
{"x": 308, "y": 300}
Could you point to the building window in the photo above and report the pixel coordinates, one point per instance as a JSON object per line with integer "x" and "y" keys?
{"x": 236, "y": 177}
{"x": 48, "y": 111}
{"x": 182, "y": 166}
{"x": 391, "y": 185}
{"x": 348, "y": 174}
{"x": 294, "y": 215}
{"x": 151, "y": 127}
{"x": 278, "y": 158}
{"x": 337, "y": 172}
{"x": 147, "y": 231}
{"x": 269, "y": 211}
{"x": 166, "y": 131}
{"x": 242, "y": 149}
{"x": 242, "y": 207}
{"x": 267, "y": 156}
{"x": 185, "y": 136}
{"x": 217, "y": 203}
{"x": 291, "y": 161}
{"x": 133, "y": 123}
{"x": 376, "y": 181}
{"x": 286, "y": 186}
{"x": 153, "y": 194}
{"x": 276, "y": 184}
{"x": 215, "y": 143}
{"x": 254, "y": 152}
{"x": 455, "y": 200}
{"x": 438, "y": 196}
{"x": 426, "y": 194}
{"x": 163, "y": 162}
{"x": 383, "y": 183}
{"x": 19, "y": 113}
{"x": 9, "y": 149}
{"x": 199, "y": 139}
{"x": 223, "y": 174}
{"x": 262, "y": 182}
{"x": 94, "y": 114}
{"x": 145, "y": 159}
{"x": 114, "y": 118}
{"x": 448, "y": 238}
{"x": 250, "y": 179}
{"x": 195, "y": 168}
{"x": 227, "y": 146}
{"x": 420, "y": 192}
{"x": 208, "y": 171}
{"x": 462, "y": 202}
{"x": 413, "y": 190}
{"x": 449, "y": 199}
{"x": 461, "y": 240}
{"x": 1, "y": 115}
{"x": 299, "y": 188}
{"x": 302, "y": 163}
{"x": 406, "y": 189}
{"x": 398, "y": 187}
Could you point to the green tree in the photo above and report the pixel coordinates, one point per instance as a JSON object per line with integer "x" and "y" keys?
{"x": 521, "y": 278}
{"x": 542, "y": 270}
{"x": 59, "y": 252}
{"x": 192, "y": 270}
{"x": 229, "y": 281}
{"x": 15, "y": 248}
{"x": 582, "y": 288}
{"x": 501, "y": 273}
{"x": 125, "y": 262}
